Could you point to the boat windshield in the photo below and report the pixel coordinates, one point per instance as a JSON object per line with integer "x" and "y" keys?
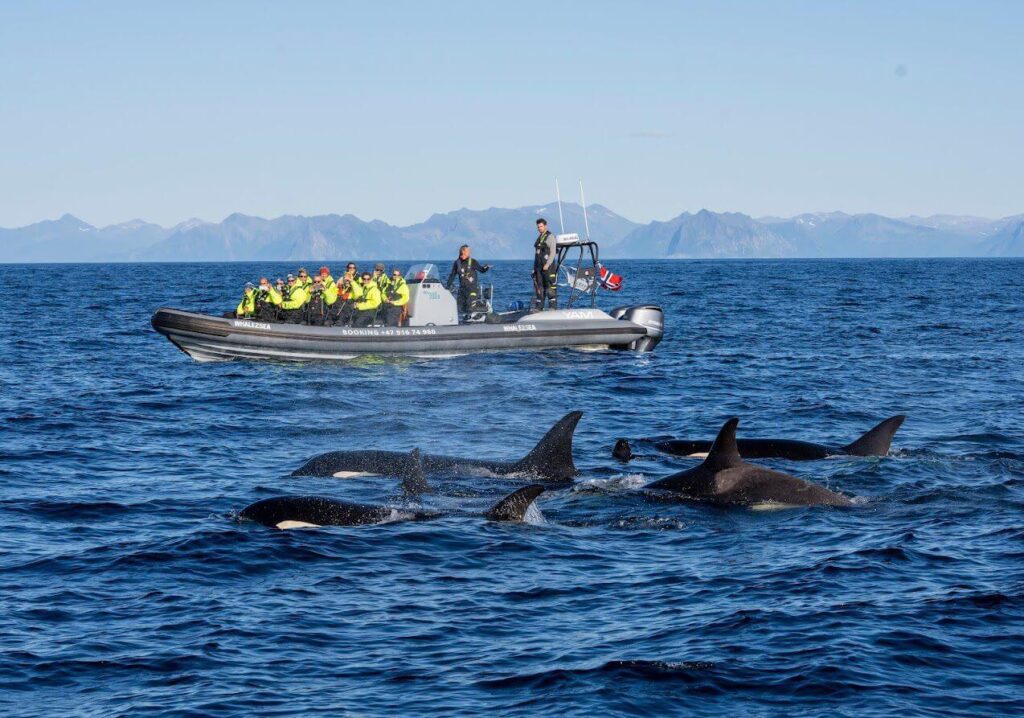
{"x": 422, "y": 273}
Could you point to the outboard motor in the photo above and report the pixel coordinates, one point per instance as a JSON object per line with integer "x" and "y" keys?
{"x": 648, "y": 316}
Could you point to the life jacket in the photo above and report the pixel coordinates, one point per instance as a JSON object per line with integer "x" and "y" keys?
{"x": 297, "y": 297}
{"x": 353, "y": 292}
{"x": 468, "y": 275}
{"x": 540, "y": 249}
{"x": 397, "y": 293}
{"x": 262, "y": 299}
{"x": 330, "y": 294}
{"x": 246, "y": 307}
{"x": 370, "y": 298}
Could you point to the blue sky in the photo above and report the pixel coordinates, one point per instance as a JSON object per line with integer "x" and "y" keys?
{"x": 394, "y": 110}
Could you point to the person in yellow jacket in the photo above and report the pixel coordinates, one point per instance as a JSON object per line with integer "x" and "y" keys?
{"x": 395, "y": 298}
{"x": 348, "y": 291}
{"x": 294, "y": 299}
{"x": 247, "y": 307}
{"x": 325, "y": 277}
{"x": 380, "y": 277}
{"x": 367, "y": 305}
{"x": 330, "y": 292}
{"x": 268, "y": 301}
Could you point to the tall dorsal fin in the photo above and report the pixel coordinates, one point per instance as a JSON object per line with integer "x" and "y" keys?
{"x": 877, "y": 441}
{"x": 414, "y": 482}
{"x": 723, "y": 452}
{"x": 514, "y": 506}
{"x": 551, "y": 458}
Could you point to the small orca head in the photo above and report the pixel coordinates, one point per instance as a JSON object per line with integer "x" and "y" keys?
{"x": 622, "y": 451}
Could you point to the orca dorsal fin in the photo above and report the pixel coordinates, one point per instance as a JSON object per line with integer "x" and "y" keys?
{"x": 551, "y": 458}
{"x": 877, "y": 441}
{"x": 414, "y": 481}
{"x": 514, "y": 506}
{"x": 723, "y": 454}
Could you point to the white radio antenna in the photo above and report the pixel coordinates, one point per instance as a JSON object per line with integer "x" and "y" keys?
{"x": 583, "y": 201}
{"x": 558, "y": 194}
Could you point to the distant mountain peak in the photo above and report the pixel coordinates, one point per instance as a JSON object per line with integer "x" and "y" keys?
{"x": 188, "y": 224}
{"x": 73, "y": 221}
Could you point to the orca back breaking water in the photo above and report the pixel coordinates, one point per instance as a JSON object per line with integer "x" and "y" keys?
{"x": 875, "y": 442}
{"x": 286, "y": 512}
{"x": 550, "y": 460}
{"x": 725, "y": 478}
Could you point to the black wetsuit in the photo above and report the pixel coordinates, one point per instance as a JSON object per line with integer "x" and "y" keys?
{"x": 340, "y": 313}
{"x": 545, "y": 281}
{"x": 316, "y": 310}
{"x": 291, "y": 316}
{"x": 469, "y": 281}
{"x": 266, "y": 311}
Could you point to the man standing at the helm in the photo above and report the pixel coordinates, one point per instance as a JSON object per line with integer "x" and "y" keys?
{"x": 545, "y": 274}
{"x": 466, "y": 268}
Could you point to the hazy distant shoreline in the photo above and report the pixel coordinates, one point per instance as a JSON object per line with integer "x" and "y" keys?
{"x": 498, "y": 233}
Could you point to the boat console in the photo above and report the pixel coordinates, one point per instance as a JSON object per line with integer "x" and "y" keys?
{"x": 430, "y": 304}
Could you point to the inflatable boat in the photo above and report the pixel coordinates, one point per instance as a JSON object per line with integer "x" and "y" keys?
{"x": 433, "y": 328}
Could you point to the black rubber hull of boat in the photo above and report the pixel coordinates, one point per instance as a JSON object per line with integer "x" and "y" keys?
{"x": 208, "y": 338}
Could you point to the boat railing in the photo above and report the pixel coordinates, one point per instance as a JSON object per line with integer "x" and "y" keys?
{"x": 579, "y": 261}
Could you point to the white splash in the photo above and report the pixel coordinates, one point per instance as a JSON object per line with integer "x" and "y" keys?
{"x": 534, "y": 516}
{"x": 627, "y": 481}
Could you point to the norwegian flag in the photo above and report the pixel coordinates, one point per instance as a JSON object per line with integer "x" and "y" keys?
{"x": 608, "y": 279}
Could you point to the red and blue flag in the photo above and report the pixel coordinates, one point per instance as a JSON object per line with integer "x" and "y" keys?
{"x": 608, "y": 279}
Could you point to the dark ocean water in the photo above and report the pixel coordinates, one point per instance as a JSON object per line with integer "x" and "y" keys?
{"x": 129, "y": 589}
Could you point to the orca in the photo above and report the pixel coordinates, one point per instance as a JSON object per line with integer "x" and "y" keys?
{"x": 725, "y": 478}
{"x": 874, "y": 443}
{"x": 288, "y": 512}
{"x": 550, "y": 460}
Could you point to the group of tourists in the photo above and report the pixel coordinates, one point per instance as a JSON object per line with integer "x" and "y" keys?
{"x": 318, "y": 300}
{"x": 375, "y": 297}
